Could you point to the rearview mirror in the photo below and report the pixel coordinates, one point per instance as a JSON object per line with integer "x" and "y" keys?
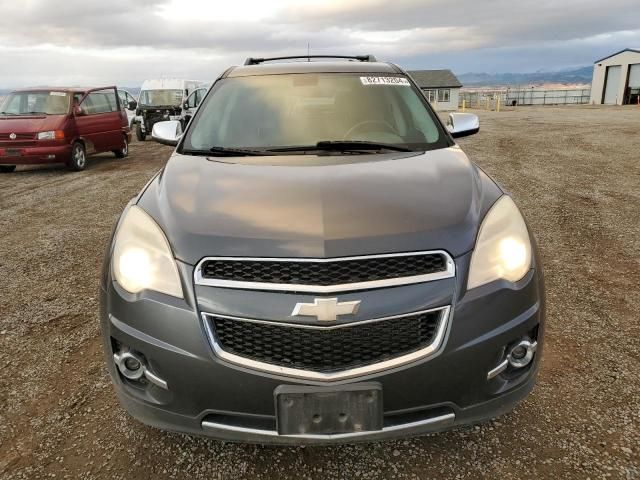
{"x": 463, "y": 124}
{"x": 167, "y": 133}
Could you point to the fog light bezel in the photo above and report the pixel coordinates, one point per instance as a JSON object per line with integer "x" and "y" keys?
{"x": 510, "y": 361}
{"x": 530, "y": 349}
{"x": 121, "y": 359}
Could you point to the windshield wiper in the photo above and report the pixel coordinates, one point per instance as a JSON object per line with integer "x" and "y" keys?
{"x": 343, "y": 146}
{"x": 226, "y": 152}
{"x": 8, "y": 113}
{"x": 234, "y": 152}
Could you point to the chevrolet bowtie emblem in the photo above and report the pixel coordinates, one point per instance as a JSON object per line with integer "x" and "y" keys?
{"x": 326, "y": 309}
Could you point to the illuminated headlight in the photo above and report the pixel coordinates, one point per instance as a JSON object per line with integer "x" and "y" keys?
{"x": 503, "y": 247}
{"x": 142, "y": 258}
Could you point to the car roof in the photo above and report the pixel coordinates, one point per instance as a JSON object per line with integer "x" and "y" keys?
{"x": 312, "y": 67}
{"x": 62, "y": 89}
{"x": 168, "y": 83}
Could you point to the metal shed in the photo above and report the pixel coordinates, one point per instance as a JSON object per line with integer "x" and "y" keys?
{"x": 616, "y": 78}
{"x": 441, "y": 87}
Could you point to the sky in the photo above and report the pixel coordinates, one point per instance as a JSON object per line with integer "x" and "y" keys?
{"x": 87, "y": 42}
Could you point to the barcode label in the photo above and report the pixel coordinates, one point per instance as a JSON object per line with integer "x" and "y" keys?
{"x": 400, "y": 81}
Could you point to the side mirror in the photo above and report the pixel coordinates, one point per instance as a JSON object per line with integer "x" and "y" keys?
{"x": 78, "y": 111}
{"x": 132, "y": 105}
{"x": 167, "y": 133}
{"x": 463, "y": 124}
{"x": 185, "y": 105}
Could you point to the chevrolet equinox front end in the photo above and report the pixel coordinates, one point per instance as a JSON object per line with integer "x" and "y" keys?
{"x": 319, "y": 262}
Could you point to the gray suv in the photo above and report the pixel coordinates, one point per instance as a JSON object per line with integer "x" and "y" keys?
{"x": 319, "y": 262}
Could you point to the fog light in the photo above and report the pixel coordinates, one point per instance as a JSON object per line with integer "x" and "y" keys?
{"x": 521, "y": 354}
{"x": 518, "y": 356}
{"x": 133, "y": 367}
{"x": 132, "y": 363}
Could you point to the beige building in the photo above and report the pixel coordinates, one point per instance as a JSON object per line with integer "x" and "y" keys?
{"x": 441, "y": 87}
{"x": 616, "y": 78}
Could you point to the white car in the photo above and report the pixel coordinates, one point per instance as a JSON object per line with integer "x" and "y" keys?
{"x": 129, "y": 103}
{"x": 163, "y": 99}
{"x": 192, "y": 103}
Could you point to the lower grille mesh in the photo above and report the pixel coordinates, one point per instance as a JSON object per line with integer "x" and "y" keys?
{"x": 326, "y": 350}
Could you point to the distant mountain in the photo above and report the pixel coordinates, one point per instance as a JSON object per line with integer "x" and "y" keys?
{"x": 579, "y": 75}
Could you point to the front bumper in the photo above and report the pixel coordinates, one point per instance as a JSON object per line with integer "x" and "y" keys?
{"x": 207, "y": 396}
{"x": 153, "y": 116}
{"x": 35, "y": 155}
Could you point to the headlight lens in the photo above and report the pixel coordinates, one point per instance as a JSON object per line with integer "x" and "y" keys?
{"x": 503, "y": 247}
{"x": 51, "y": 135}
{"x": 142, "y": 257}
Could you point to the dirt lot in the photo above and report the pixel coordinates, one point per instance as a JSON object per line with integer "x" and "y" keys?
{"x": 575, "y": 172}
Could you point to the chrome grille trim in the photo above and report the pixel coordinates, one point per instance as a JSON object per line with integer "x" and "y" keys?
{"x": 449, "y": 272}
{"x": 429, "y": 350}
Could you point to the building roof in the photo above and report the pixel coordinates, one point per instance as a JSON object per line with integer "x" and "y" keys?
{"x": 435, "y": 78}
{"x": 636, "y": 50}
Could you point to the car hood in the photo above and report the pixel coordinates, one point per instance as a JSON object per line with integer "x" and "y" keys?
{"x": 329, "y": 207}
{"x": 29, "y": 124}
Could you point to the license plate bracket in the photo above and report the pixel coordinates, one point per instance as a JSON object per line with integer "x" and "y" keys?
{"x": 12, "y": 152}
{"x": 329, "y": 410}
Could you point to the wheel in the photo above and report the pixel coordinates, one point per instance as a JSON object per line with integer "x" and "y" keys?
{"x": 124, "y": 151}
{"x": 140, "y": 135}
{"x": 78, "y": 160}
{"x": 7, "y": 168}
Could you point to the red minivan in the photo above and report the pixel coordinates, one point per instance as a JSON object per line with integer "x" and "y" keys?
{"x": 61, "y": 125}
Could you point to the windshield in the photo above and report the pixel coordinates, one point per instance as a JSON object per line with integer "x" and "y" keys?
{"x": 160, "y": 98}
{"x": 276, "y": 111}
{"x": 36, "y": 103}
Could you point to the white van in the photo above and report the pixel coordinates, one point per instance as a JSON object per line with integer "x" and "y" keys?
{"x": 162, "y": 99}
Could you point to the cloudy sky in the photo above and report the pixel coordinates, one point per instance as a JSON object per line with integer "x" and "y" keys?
{"x": 126, "y": 41}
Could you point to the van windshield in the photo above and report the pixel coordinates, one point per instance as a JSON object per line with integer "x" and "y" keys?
{"x": 283, "y": 112}
{"x": 47, "y": 102}
{"x": 160, "y": 98}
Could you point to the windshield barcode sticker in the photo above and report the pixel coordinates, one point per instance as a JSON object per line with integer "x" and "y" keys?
{"x": 401, "y": 81}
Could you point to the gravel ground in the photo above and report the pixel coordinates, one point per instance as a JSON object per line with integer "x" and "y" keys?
{"x": 575, "y": 172}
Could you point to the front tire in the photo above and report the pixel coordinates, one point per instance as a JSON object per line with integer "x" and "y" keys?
{"x": 140, "y": 135}
{"x": 124, "y": 151}
{"x": 7, "y": 168}
{"x": 78, "y": 160}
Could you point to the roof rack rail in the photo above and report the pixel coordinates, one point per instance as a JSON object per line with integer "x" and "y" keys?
{"x": 360, "y": 58}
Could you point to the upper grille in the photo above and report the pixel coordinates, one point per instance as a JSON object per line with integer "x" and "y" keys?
{"x": 324, "y": 349}
{"x": 19, "y": 136}
{"x": 21, "y": 140}
{"x": 325, "y": 272}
